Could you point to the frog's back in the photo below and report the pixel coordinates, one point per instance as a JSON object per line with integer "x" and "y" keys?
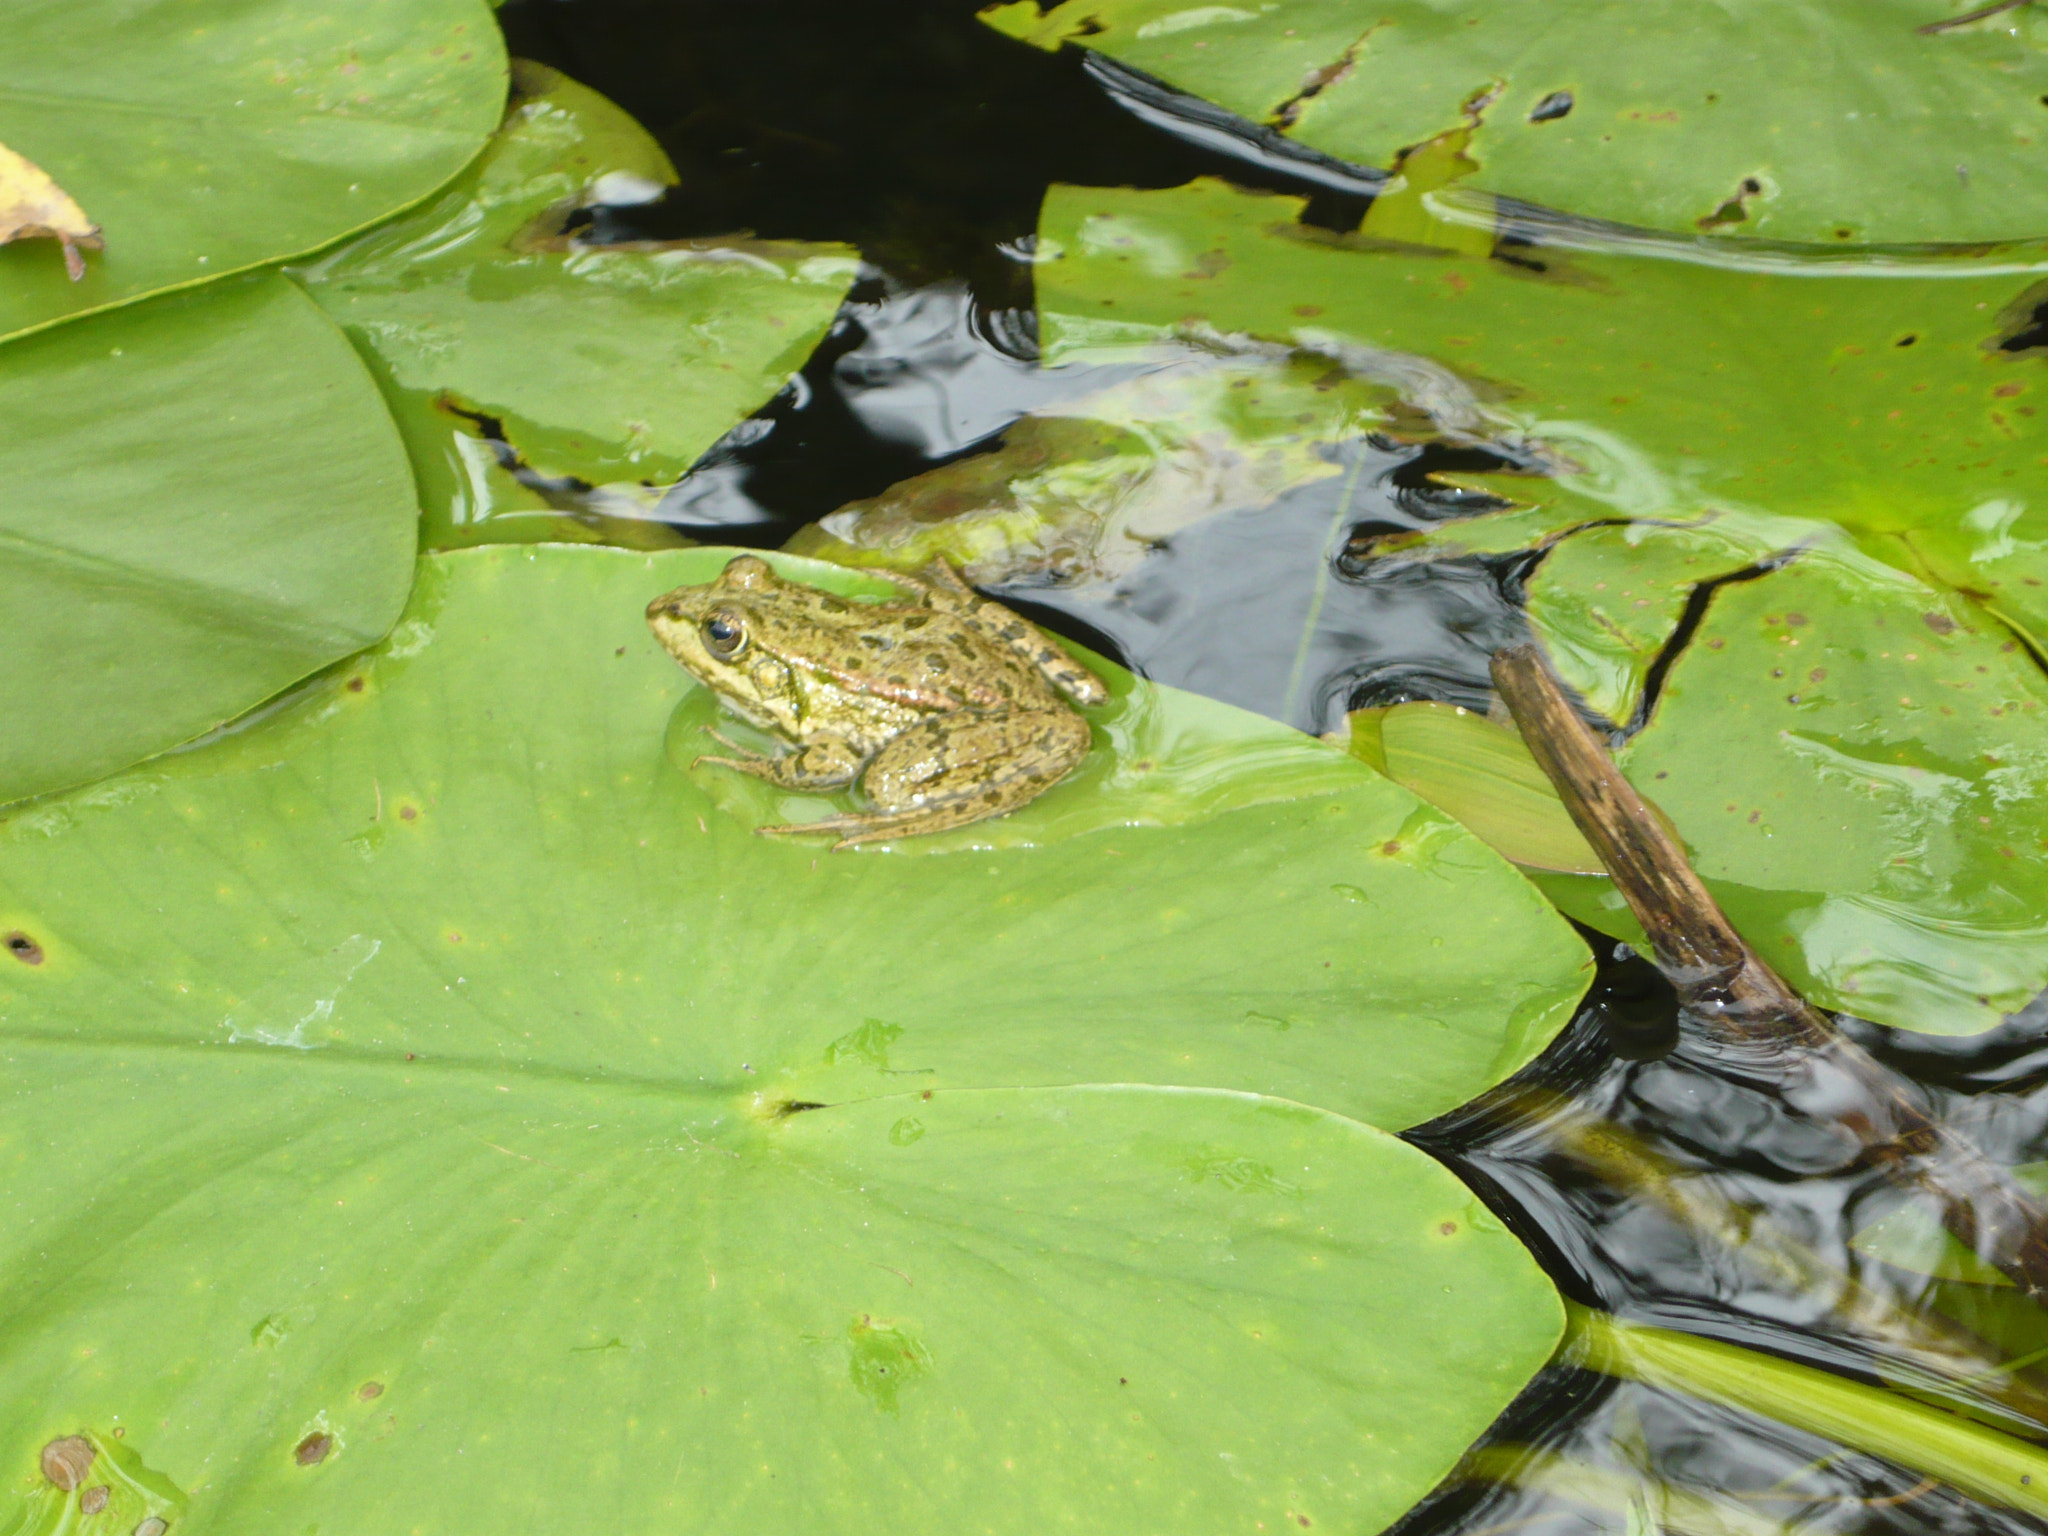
{"x": 908, "y": 653}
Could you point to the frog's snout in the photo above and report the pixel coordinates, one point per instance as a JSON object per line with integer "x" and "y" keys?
{"x": 666, "y": 606}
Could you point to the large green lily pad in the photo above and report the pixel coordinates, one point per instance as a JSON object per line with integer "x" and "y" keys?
{"x": 1787, "y": 119}
{"x": 207, "y": 136}
{"x": 207, "y": 501}
{"x": 612, "y": 368}
{"x": 467, "y": 1120}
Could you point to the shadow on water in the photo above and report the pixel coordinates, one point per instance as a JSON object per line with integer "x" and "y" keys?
{"x": 927, "y": 140}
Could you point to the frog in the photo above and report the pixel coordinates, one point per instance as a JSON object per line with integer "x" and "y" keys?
{"x": 944, "y": 707}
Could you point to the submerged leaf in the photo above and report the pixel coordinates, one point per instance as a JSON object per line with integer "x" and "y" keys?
{"x": 1079, "y": 493}
{"x": 461, "y": 1054}
{"x": 32, "y": 206}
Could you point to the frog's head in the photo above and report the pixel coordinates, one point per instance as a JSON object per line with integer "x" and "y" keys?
{"x": 707, "y": 628}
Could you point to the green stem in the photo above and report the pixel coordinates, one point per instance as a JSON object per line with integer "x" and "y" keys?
{"x": 1973, "y": 1458}
{"x": 1331, "y": 544}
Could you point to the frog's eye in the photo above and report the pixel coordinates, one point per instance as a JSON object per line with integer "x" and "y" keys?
{"x": 725, "y": 634}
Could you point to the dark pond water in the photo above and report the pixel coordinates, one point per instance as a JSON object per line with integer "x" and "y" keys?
{"x": 920, "y": 136}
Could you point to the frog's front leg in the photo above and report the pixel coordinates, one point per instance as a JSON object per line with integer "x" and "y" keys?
{"x": 953, "y": 770}
{"x": 829, "y": 762}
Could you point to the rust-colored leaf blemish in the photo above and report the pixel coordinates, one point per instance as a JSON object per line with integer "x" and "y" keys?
{"x": 313, "y": 1449}
{"x": 1448, "y": 1229}
{"x": 94, "y": 1499}
{"x": 1940, "y": 623}
{"x": 1318, "y": 80}
{"x": 66, "y": 1461}
{"x": 355, "y": 685}
{"x": 23, "y": 948}
{"x": 370, "y": 1391}
{"x": 153, "y": 1526}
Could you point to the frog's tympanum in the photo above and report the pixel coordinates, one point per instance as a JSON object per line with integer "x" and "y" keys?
{"x": 946, "y": 707}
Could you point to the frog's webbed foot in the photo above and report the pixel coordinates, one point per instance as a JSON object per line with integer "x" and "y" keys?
{"x": 731, "y": 746}
{"x": 853, "y": 830}
{"x": 825, "y": 764}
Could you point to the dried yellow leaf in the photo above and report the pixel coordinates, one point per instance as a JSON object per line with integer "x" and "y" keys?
{"x": 33, "y": 205}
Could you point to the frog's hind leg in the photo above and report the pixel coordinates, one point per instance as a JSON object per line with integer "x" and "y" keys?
{"x": 953, "y": 770}
{"x": 947, "y": 589}
{"x": 939, "y": 816}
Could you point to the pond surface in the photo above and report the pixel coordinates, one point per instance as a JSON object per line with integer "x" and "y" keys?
{"x": 923, "y": 138}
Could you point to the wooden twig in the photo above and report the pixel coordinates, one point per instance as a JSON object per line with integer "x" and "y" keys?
{"x": 1982, "y": 13}
{"x": 1758, "y": 1028}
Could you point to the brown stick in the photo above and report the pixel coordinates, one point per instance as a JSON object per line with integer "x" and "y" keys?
{"x": 1982, "y": 13}
{"x": 1760, "y": 1028}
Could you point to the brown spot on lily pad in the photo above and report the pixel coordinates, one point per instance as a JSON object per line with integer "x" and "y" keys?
{"x": 23, "y": 948}
{"x": 1940, "y": 623}
{"x": 370, "y": 1391}
{"x": 313, "y": 1450}
{"x": 94, "y": 1499}
{"x": 66, "y": 1461}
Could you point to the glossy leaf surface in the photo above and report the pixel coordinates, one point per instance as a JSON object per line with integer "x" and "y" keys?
{"x": 207, "y": 136}
{"x": 1885, "y": 398}
{"x": 1480, "y": 773}
{"x": 1882, "y": 402}
{"x": 498, "y": 338}
{"x": 207, "y": 502}
{"x": 1858, "y": 762}
{"x": 1787, "y": 121}
{"x": 468, "y": 1118}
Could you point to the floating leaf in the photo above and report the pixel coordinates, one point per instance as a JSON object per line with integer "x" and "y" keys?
{"x": 460, "y": 1054}
{"x": 500, "y": 339}
{"x": 1858, "y": 763}
{"x": 1895, "y": 121}
{"x": 1479, "y": 773}
{"x": 1882, "y": 853}
{"x": 208, "y": 502}
{"x": 32, "y": 206}
{"x": 208, "y": 136}
{"x": 1896, "y": 399}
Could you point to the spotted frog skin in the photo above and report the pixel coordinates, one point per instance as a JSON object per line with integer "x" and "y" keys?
{"x": 947, "y": 708}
